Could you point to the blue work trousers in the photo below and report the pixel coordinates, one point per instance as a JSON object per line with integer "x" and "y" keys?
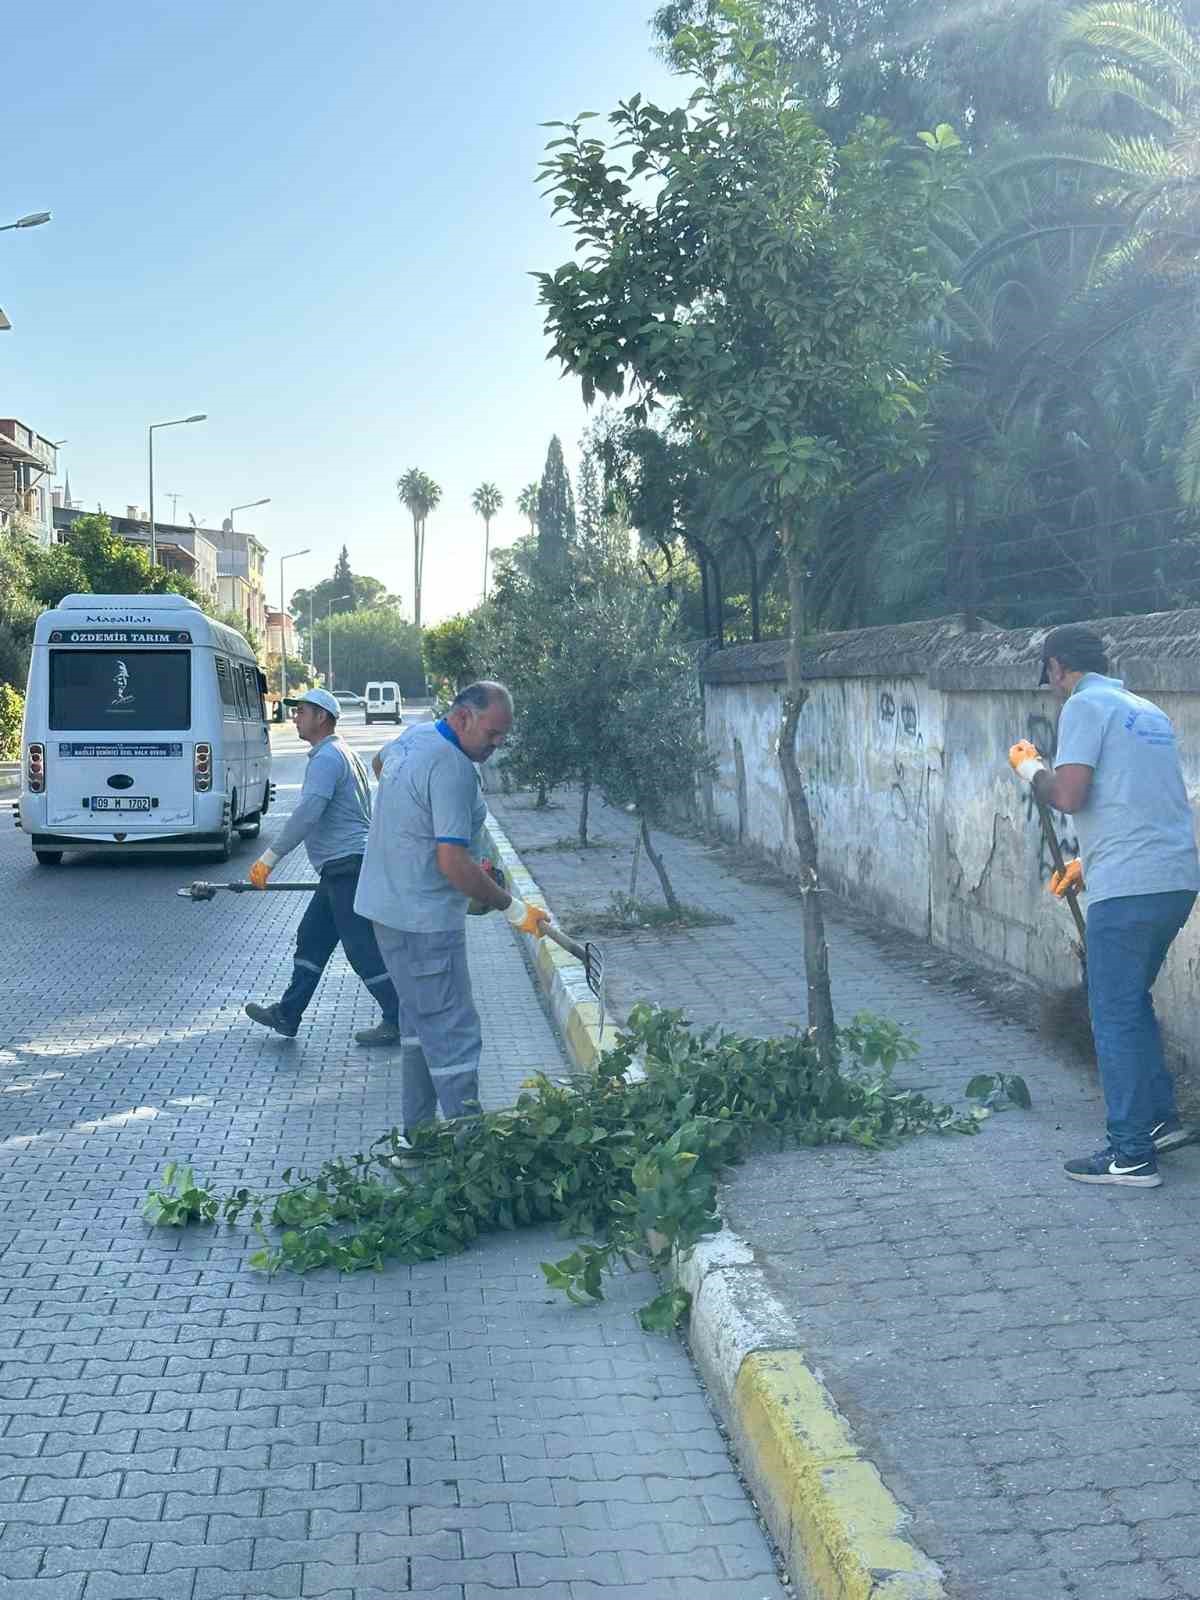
{"x": 330, "y": 919}
{"x": 1127, "y": 942}
{"x": 440, "y": 1066}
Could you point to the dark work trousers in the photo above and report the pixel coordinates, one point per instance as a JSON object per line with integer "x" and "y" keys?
{"x": 440, "y": 1065}
{"x": 331, "y": 917}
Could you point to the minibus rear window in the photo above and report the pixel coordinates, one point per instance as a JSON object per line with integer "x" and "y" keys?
{"x": 140, "y": 690}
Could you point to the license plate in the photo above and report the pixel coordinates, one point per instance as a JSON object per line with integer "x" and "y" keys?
{"x": 120, "y": 802}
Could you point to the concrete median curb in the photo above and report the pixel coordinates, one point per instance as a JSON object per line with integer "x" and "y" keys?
{"x": 840, "y": 1529}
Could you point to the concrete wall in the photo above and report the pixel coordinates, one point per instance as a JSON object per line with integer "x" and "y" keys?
{"x": 904, "y": 743}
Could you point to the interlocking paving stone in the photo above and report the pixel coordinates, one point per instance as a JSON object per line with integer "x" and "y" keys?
{"x": 1018, "y": 1353}
{"x": 178, "y": 1428}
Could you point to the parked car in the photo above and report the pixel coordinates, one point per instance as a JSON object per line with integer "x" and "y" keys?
{"x": 347, "y": 697}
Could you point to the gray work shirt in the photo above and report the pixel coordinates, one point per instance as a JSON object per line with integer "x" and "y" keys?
{"x": 1136, "y": 834}
{"x": 334, "y": 812}
{"x": 429, "y": 794}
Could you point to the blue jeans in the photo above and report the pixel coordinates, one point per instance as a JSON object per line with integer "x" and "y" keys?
{"x": 1127, "y": 942}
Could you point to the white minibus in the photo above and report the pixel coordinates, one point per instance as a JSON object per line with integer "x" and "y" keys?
{"x": 144, "y": 728}
{"x": 384, "y": 702}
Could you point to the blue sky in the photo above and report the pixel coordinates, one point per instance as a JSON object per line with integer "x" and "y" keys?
{"x": 313, "y": 222}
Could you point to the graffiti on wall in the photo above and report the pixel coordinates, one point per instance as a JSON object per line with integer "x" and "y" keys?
{"x": 900, "y": 722}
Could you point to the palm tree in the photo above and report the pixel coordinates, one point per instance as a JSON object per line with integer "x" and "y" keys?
{"x": 487, "y": 500}
{"x": 1130, "y": 80}
{"x": 421, "y": 495}
{"x": 527, "y": 505}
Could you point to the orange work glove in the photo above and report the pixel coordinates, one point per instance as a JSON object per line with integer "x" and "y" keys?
{"x": 526, "y": 918}
{"x": 1069, "y": 880}
{"x": 1023, "y": 758}
{"x": 261, "y": 870}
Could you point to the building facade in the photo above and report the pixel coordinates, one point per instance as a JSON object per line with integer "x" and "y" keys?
{"x": 186, "y": 551}
{"x": 241, "y": 555}
{"x": 27, "y": 465}
{"x": 281, "y": 634}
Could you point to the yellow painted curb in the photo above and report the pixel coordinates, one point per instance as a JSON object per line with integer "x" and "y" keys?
{"x": 828, "y": 1507}
{"x": 839, "y": 1528}
{"x": 559, "y": 974}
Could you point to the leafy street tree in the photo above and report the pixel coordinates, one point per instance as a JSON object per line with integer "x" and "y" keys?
{"x": 555, "y": 511}
{"x": 450, "y": 652}
{"x": 767, "y": 284}
{"x": 377, "y": 644}
{"x": 421, "y": 495}
{"x": 527, "y": 502}
{"x": 487, "y": 501}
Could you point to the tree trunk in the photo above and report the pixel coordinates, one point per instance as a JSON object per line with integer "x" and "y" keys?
{"x": 542, "y": 797}
{"x": 821, "y": 1025}
{"x": 656, "y": 861}
{"x": 416, "y": 570}
{"x": 583, "y": 813}
{"x": 487, "y": 540}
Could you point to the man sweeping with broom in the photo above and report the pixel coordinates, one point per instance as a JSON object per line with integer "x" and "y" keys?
{"x": 1117, "y": 773}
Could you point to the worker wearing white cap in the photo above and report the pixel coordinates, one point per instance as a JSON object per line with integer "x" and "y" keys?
{"x": 331, "y": 821}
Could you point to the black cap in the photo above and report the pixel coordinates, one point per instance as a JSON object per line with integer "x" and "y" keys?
{"x": 1074, "y": 646}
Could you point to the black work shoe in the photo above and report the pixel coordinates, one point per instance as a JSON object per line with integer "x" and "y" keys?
{"x": 1110, "y": 1166}
{"x": 269, "y": 1017}
{"x": 381, "y": 1033}
{"x": 1169, "y": 1135}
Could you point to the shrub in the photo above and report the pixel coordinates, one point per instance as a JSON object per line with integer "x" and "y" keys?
{"x": 12, "y": 708}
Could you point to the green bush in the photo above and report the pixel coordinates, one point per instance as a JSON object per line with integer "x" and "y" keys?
{"x": 12, "y": 708}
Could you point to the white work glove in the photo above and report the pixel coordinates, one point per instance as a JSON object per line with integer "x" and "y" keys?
{"x": 1023, "y": 758}
{"x": 261, "y": 870}
{"x": 526, "y": 918}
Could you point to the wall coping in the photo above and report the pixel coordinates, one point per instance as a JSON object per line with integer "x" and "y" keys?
{"x": 1156, "y": 651}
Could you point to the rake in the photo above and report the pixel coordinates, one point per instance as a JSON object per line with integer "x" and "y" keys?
{"x": 590, "y": 955}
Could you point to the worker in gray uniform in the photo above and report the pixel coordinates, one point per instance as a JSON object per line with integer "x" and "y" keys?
{"x": 331, "y": 821}
{"x": 420, "y": 873}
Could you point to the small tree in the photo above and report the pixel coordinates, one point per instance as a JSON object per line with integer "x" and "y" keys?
{"x": 769, "y": 285}
{"x": 487, "y": 501}
{"x": 450, "y": 652}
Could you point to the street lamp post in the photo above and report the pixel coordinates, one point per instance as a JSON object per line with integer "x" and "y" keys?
{"x": 329, "y": 628}
{"x": 282, "y": 630}
{"x": 33, "y": 220}
{"x": 177, "y": 423}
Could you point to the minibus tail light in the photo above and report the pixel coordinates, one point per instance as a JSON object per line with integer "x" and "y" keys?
{"x": 35, "y": 768}
{"x": 202, "y": 768}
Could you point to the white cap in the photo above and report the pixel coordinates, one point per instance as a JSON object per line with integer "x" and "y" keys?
{"x": 321, "y": 698}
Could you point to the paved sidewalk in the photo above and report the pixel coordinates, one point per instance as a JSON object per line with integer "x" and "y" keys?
{"x": 1018, "y": 1354}
{"x": 178, "y": 1427}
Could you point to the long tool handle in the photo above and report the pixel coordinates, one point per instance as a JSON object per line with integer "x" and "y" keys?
{"x": 553, "y": 931}
{"x": 1060, "y": 865}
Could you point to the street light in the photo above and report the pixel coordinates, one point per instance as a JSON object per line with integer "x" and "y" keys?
{"x": 282, "y": 630}
{"x": 33, "y": 220}
{"x": 329, "y": 625}
{"x": 177, "y": 423}
{"x": 246, "y": 507}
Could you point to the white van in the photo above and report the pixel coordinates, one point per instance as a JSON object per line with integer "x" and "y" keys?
{"x": 144, "y": 728}
{"x": 384, "y": 703}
